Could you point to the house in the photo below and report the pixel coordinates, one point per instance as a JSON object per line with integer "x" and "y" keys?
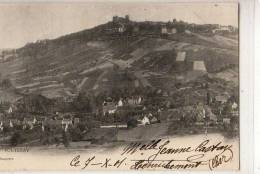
{"x": 221, "y": 99}
{"x": 29, "y": 122}
{"x": 145, "y": 121}
{"x": 52, "y": 122}
{"x": 15, "y": 121}
{"x": 136, "y": 29}
{"x": 66, "y": 121}
{"x": 171, "y": 30}
{"x": 109, "y": 106}
{"x": 224, "y": 29}
{"x": 164, "y": 29}
{"x": 187, "y": 31}
{"x": 234, "y": 113}
{"x": 6, "y": 108}
{"x": 120, "y": 103}
{"x": 201, "y": 113}
{"x": 112, "y": 111}
{"x": 134, "y": 100}
{"x": 181, "y": 56}
{"x": 76, "y": 121}
{"x": 210, "y": 115}
{"x": 226, "y": 120}
{"x": 120, "y": 28}
{"x": 165, "y": 94}
{"x": 199, "y": 66}
{"x": 168, "y": 29}
{"x": 154, "y": 120}
{"x": 181, "y": 63}
{"x": 139, "y": 100}
{"x": 234, "y": 106}
{"x": 10, "y": 110}
{"x": 1, "y": 126}
{"x": 11, "y": 125}
{"x": 119, "y": 24}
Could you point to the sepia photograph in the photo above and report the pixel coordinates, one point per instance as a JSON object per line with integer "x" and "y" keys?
{"x": 119, "y": 86}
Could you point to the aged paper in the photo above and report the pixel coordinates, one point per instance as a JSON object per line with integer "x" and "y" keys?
{"x": 119, "y": 86}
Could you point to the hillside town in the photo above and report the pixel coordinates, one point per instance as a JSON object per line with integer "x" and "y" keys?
{"x": 189, "y": 94}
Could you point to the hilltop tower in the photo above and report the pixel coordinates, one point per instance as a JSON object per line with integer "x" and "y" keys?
{"x": 127, "y": 18}
{"x": 115, "y": 18}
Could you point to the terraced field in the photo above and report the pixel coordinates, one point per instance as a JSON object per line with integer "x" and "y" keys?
{"x": 68, "y": 65}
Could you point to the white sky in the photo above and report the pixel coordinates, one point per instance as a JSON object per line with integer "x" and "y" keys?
{"x": 27, "y": 22}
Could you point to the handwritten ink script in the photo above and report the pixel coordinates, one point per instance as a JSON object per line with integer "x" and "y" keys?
{"x": 162, "y": 154}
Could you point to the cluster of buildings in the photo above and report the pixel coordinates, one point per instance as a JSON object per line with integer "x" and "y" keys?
{"x": 225, "y": 29}
{"x": 7, "y": 54}
{"x": 31, "y": 122}
{"x": 168, "y": 29}
{"x": 123, "y": 24}
{"x": 110, "y": 106}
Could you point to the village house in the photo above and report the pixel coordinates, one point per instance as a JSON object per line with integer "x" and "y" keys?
{"x": 165, "y": 94}
{"x": 136, "y": 28}
{"x": 221, "y": 99}
{"x": 51, "y": 122}
{"x": 65, "y": 123}
{"x": 120, "y": 103}
{"x": 119, "y": 24}
{"x": 154, "y": 120}
{"x": 181, "y": 62}
{"x": 168, "y": 29}
{"x": 15, "y": 121}
{"x": 163, "y": 29}
{"x": 134, "y": 100}
{"x": 1, "y": 126}
{"x": 6, "y": 108}
{"x": 29, "y": 122}
{"x": 10, "y": 110}
{"x": 109, "y": 106}
{"x": 187, "y": 31}
{"x": 199, "y": 66}
{"x": 226, "y": 120}
{"x": 200, "y": 112}
{"x": 119, "y": 27}
{"x": 234, "y": 106}
{"x": 145, "y": 121}
{"x": 171, "y": 30}
{"x": 76, "y": 121}
{"x": 181, "y": 56}
{"x": 224, "y": 29}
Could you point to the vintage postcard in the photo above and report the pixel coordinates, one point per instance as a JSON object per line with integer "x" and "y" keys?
{"x": 119, "y": 86}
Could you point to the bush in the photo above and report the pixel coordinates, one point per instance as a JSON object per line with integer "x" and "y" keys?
{"x": 82, "y": 127}
{"x": 132, "y": 123}
{"x": 16, "y": 139}
{"x": 65, "y": 139}
{"x": 75, "y": 134}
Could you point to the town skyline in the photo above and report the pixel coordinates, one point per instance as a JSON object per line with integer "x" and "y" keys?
{"x": 26, "y": 23}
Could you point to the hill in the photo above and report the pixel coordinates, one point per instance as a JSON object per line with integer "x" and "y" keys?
{"x": 102, "y": 59}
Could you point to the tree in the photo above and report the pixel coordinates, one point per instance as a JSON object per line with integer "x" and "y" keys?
{"x": 16, "y": 139}
{"x": 131, "y": 123}
{"x": 82, "y": 103}
{"x": 76, "y": 134}
{"x": 65, "y": 139}
{"x": 6, "y": 83}
{"x": 180, "y": 28}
